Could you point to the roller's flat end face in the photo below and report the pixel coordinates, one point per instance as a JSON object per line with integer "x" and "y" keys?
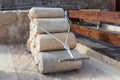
{"x": 49, "y": 62}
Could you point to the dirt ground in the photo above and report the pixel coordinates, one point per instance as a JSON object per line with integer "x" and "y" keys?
{"x": 22, "y": 67}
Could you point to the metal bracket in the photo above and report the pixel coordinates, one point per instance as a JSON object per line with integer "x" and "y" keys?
{"x": 73, "y": 59}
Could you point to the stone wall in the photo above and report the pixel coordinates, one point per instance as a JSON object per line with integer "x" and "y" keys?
{"x": 67, "y": 4}
{"x": 14, "y": 27}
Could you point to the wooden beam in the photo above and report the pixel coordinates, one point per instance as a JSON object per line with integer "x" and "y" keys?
{"x": 112, "y": 38}
{"x": 103, "y": 16}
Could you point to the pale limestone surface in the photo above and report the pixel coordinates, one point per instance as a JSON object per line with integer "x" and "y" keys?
{"x": 52, "y": 25}
{"x": 23, "y": 63}
{"x": 49, "y": 61}
{"x": 14, "y": 26}
{"x": 28, "y": 44}
{"x": 114, "y": 28}
{"x": 35, "y": 55}
{"x": 25, "y": 68}
{"x": 44, "y": 42}
{"x": 42, "y": 12}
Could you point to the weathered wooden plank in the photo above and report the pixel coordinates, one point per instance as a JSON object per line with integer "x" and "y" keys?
{"x": 109, "y": 37}
{"x": 103, "y": 16}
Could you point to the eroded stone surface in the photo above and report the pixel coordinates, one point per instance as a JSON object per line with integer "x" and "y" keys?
{"x": 44, "y": 42}
{"x": 14, "y": 26}
{"x": 8, "y": 17}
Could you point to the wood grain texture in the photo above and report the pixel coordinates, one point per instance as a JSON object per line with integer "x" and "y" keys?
{"x": 103, "y": 16}
{"x": 109, "y": 37}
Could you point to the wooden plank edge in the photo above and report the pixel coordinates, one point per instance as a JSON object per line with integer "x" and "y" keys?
{"x": 103, "y": 16}
{"x": 112, "y": 38}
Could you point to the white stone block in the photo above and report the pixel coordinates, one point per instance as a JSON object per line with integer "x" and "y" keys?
{"x": 49, "y": 61}
{"x": 41, "y": 12}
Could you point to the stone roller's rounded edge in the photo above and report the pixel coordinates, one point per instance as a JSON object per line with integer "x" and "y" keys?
{"x": 49, "y": 62}
{"x": 44, "y": 42}
{"x": 43, "y": 12}
{"x": 40, "y": 65}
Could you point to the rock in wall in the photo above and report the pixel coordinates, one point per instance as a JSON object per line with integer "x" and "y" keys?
{"x": 14, "y": 27}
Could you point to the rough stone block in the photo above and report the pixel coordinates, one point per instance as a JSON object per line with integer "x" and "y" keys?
{"x": 28, "y": 45}
{"x": 32, "y": 46}
{"x": 14, "y": 27}
{"x": 40, "y": 12}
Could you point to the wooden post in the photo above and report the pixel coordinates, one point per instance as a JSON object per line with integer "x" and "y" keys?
{"x": 115, "y": 5}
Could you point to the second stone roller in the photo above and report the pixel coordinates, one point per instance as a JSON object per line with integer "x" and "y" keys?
{"x": 52, "y": 25}
{"x": 44, "y": 42}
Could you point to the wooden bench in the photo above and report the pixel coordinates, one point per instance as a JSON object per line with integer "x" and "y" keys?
{"x": 92, "y": 32}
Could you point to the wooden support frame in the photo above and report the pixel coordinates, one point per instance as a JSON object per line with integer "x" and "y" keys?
{"x": 102, "y": 16}
{"x": 109, "y": 37}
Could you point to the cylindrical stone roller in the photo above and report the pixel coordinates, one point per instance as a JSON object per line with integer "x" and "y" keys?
{"x": 49, "y": 61}
{"x": 51, "y": 25}
{"x": 40, "y": 12}
{"x": 44, "y": 42}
